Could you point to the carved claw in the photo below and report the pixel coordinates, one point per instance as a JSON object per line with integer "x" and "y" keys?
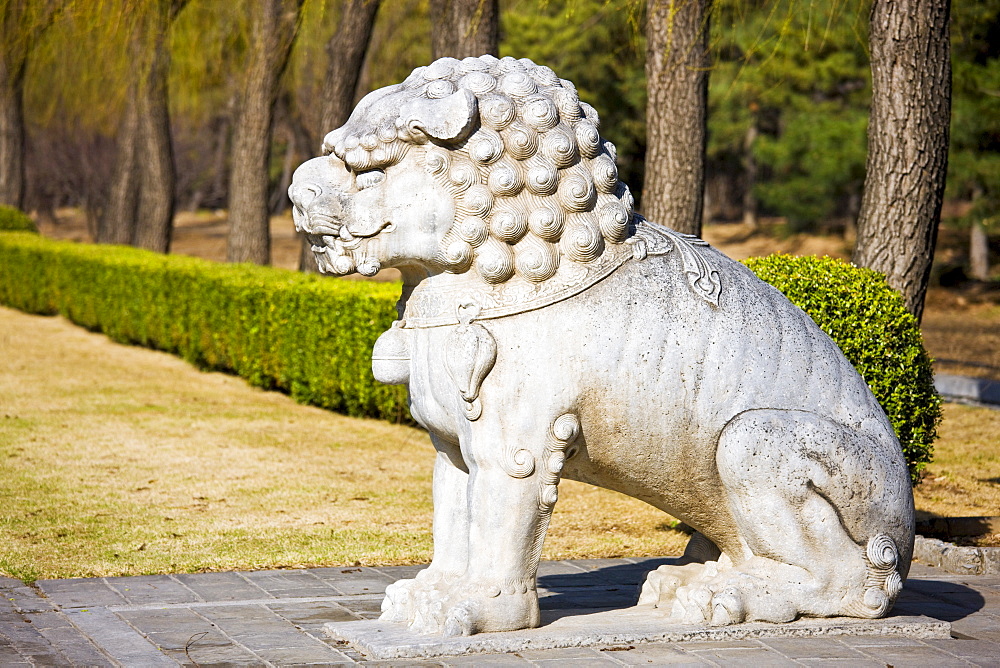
{"x": 728, "y": 608}
{"x": 693, "y": 604}
{"x": 460, "y": 620}
{"x": 397, "y": 606}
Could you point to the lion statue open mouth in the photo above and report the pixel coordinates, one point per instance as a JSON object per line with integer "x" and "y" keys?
{"x": 546, "y": 331}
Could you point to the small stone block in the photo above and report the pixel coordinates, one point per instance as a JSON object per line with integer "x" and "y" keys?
{"x": 388, "y": 640}
{"x": 156, "y": 589}
{"x": 80, "y": 593}
{"x": 290, "y": 584}
{"x": 222, "y": 587}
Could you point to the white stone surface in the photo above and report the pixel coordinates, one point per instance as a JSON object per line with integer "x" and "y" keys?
{"x": 546, "y": 331}
{"x": 610, "y": 628}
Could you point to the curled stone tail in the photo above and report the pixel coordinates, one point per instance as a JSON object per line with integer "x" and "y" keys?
{"x": 883, "y": 582}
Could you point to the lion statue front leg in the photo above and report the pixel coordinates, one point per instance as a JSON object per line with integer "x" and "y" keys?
{"x": 511, "y": 491}
{"x": 404, "y": 598}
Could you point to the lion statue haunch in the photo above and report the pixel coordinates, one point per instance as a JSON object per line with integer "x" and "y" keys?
{"x": 546, "y": 331}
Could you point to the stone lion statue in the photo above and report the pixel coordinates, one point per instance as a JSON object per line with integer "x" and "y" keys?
{"x": 546, "y": 331}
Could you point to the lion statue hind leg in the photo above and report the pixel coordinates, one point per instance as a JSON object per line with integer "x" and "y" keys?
{"x": 824, "y": 516}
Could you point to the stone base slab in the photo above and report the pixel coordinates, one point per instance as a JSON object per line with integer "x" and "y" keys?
{"x": 609, "y": 628}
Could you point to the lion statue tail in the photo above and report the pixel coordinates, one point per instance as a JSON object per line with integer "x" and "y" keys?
{"x": 882, "y": 583}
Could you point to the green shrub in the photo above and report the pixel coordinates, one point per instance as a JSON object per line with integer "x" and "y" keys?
{"x": 867, "y": 319}
{"x": 309, "y": 336}
{"x": 15, "y": 220}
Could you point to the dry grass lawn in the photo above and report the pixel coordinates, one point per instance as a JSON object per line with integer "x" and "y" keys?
{"x": 964, "y": 478}
{"x": 119, "y": 460}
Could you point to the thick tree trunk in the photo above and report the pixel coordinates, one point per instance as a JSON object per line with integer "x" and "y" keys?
{"x": 677, "y": 63}
{"x": 158, "y": 178}
{"x": 273, "y": 28}
{"x": 12, "y": 134}
{"x": 117, "y": 223}
{"x": 907, "y": 143}
{"x": 463, "y": 28}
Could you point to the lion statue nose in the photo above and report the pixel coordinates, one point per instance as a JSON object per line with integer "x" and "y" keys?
{"x": 316, "y": 210}
{"x": 302, "y": 196}
{"x": 316, "y": 193}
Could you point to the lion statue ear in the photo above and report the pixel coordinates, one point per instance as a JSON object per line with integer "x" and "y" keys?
{"x": 448, "y": 119}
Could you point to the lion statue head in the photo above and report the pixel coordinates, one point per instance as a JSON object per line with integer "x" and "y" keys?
{"x": 530, "y": 182}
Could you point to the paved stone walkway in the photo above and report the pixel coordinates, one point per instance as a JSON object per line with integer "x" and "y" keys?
{"x": 276, "y": 618}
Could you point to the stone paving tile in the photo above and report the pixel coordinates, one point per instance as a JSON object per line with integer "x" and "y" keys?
{"x": 351, "y": 581}
{"x": 9, "y": 658}
{"x": 175, "y": 628}
{"x": 203, "y": 657}
{"x": 400, "y": 572}
{"x": 115, "y": 637}
{"x": 656, "y": 654}
{"x": 250, "y": 613}
{"x": 320, "y": 654}
{"x": 312, "y": 616}
{"x": 264, "y": 632}
{"x": 912, "y": 655}
{"x": 579, "y": 579}
{"x": 811, "y": 648}
{"x": 24, "y": 598}
{"x": 843, "y": 663}
{"x": 972, "y": 649}
{"x": 982, "y": 627}
{"x": 485, "y": 660}
{"x": 558, "y": 568}
{"x": 364, "y": 608}
{"x": 159, "y": 589}
{"x": 80, "y": 593}
{"x": 875, "y": 641}
{"x": 593, "y": 597}
{"x": 222, "y": 587}
{"x": 932, "y": 607}
{"x": 290, "y": 584}
{"x": 568, "y": 654}
{"x": 744, "y": 656}
{"x": 67, "y": 639}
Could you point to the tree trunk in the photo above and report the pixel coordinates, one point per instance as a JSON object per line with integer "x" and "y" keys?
{"x": 158, "y": 177}
{"x": 907, "y": 143}
{"x": 979, "y": 252}
{"x": 12, "y": 134}
{"x": 463, "y": 28}
{"x": 117, "y": 223}
{"x": 22, "y": 25}
{"x": 677, "y": 63}
{"x": 346, "y": 51}
{"x": 273, "y": 27}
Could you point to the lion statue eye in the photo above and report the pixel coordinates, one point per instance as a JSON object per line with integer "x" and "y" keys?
{"x": 370, "y": 178}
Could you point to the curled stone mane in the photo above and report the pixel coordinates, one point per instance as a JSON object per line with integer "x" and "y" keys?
{"x": 534, "y": 183}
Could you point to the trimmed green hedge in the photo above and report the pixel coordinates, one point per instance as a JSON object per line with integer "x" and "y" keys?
{"x": 278, "y": 329}
{"x": 15, "y": 220}
{"x": 869, "y": 322}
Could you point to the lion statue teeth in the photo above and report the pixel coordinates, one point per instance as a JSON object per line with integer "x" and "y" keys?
{"x": 546, "y": 331}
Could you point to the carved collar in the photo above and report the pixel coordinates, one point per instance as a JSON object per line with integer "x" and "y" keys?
{"x": 431, "y": 305}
